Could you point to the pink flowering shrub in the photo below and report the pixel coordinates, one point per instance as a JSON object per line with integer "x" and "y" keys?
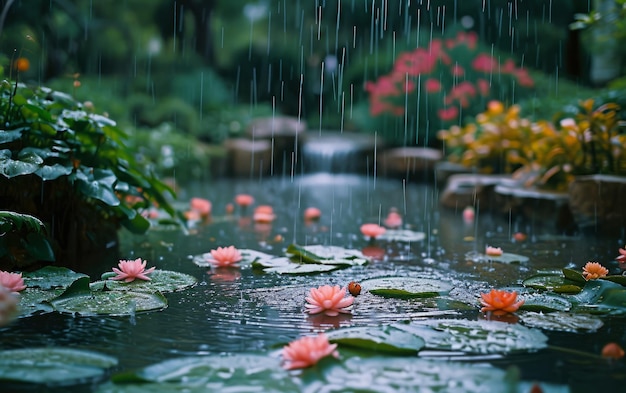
{"x": 437, "y": 86}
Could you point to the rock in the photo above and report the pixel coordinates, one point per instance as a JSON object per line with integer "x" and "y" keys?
{"x": 402, "y": 161}
{"x": 470, "y": 190}
{"x": 597, "y": 203}
{"x": 249, "y": 158}
{"x": 282, "y": 132}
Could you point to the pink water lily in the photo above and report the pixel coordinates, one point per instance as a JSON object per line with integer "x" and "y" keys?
{"x": 224, "y": 256}
{"x": 329, "y": 300}
{"x": 307, "y": 351}
{"x": 372, "y": 230}
{"x": 493, "y": 251}
{"x": 131, "y": 270}
{"x": 12, "y": 281}
{"x": 621, "y": 258}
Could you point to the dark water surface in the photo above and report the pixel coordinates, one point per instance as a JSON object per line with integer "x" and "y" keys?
{"x": 234, "y": 311}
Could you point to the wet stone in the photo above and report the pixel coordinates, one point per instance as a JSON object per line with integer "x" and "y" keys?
{"x": 404, "y": 161}
{"x": 248, "y": 157}
{"x": 470, "y": 189}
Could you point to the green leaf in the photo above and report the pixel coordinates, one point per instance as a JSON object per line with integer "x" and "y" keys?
{"x": 406, "y": 287}
{"x": 53, "y": 366}
{"x": 50, "y": 277}
{"x": 160, "y": 281}
{"x": 99, "y": 186}
{"x": 51, "y": 172}
{"x": 329, "y": 255}
{"x": 485, "y": 337}
{"x": 38, "y": 247}
{"x": 383, "y": 338}
{"x": 619, "y": 279}
{"x": 506, "y": 257}
{"x": 562, "y": 321}
{"x": 552, "y": 282}
{"x": 138, "y": 224}
{"x": 11, "y": 168}
{"x": 574, "y": 275}
{"x": 34, "y": 301}
{"x": 12, "y": 135}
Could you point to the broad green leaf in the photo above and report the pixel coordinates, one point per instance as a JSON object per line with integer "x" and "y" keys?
{"x": 544, "y": 302}
{"x": 619, "y": 279}
{"x": 479, "y": 336}
{"x": 383, "y": 338}
{"x": 160, "y": 281}
{"x": 49, "y": 277}
{"x": 562, "y": 321}
{"x": 38, "y": 247}
{"x": 402, "y": 235}
{"x": 11, "y": 168}
{"x": 215, "y": 373}
{"x": 552, "y": 282}
{"x": 51, "y": 172}
{"x": 574, "y": 275}
{"x": 115, "y": 303}
{"x": 406, "y": 287}
{"x": 34, "y": 301}
{"x": 300, "y": 268}
{"x": 99, "y": 186}
{"x": 330, "y": 255}
{"x": 52, "y": 366}
{"x": 11, "y": 135}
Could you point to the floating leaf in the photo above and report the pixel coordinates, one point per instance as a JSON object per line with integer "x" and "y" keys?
{"x": 378, "y": 338}
{"x": 402, "y": 235}
{"x": 552, "y": 282}
{"x": 33, "y": 301}
{"x": 78, "y": 299}
{"x": 619, "y": 279}
{"x": 506, "y": 257}
{"x": 562, "y": 321}
{"x": 217, "y": 373}
{"x": 160, "y": 281}
{"x": 51, "y": 277}
{"x": 485, "y": 337}
{"x": 545, "y": 302}
{"x": 53, "y": 366}
{"x": 330, "y": 255}
{"x": 406, "y": 287}
{"x": 574, "y": 275}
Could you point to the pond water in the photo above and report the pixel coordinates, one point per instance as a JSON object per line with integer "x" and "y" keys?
{"x": 240, "y": 311}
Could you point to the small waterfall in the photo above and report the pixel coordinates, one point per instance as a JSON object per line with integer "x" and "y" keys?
{"x": 338, "y": 152}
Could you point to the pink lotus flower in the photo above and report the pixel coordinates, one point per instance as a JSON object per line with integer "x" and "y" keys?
{"x": 493, "y": 251}
{"x": 12, "y": 281}
{"x": 393, "y": 220}
{"x": 224, "y": 256}
{"x": 372, "y": 230}
{"x": 328, "y": 300}
{"x": 201, "y": 206}
{"x": 621, "y": 259}
{"x": 244, "y": 200}
{"x": 8, "y": 305}
{"x": 264, "y": 214}
{"x": 307, "y": 351}
{"x": 469, "y": 214}
{"x": 130, "y": 270}
{"x": 312, "y": 214}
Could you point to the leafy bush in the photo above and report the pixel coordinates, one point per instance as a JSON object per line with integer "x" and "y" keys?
{"x": 70, "y": 167}
{"x": 441, "y": 84}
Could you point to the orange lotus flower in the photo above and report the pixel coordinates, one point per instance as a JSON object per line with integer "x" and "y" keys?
{"x": 244, "y": 200}
{"x": 500, "y": 302}
{"x": 612, "y": 351}
{"x": 328, "y": 300}
{"x": 21, "y": 64}
{"x": 593, "y": 271}
{"x": 307, "y": 351}
{"x": 224, "y": 256}
{"x": 372, "y": 230}
{"x": 493, "y": 251}
{"x": 131, "y": 270}
{"x": 12, "y": 281}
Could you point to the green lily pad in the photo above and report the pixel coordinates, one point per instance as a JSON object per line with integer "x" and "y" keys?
{"x": 620, "y": 279}
{"x": 51, "y": 277}
{"x": 33, "y": 301}
{"x": 483, "y": 337}
{"x": 53, "y": 366}
{"x": 328, "y": 255}
{"x": 562, "y": 321}
{"x": 402, "y": 235}
{"x": 574, "y": 275}
{"x": 160, "y": 281}
{"x": 506, "y": 257}
{"x": 545, "y": 302}
{"x": 406, "y": 287}
{"x": 552, "y": 282}
{"x": 283, "y": 265}
{"x": 378, "y": 339}
{"x": 216, "y": 373}
{"x": 78, "y": 299}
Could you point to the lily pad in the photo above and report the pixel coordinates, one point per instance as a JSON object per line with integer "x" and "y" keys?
{"x": 216, "y": 373}
{"x": 552, "y": 282}
{"x": 78, "y": 299}
{"x": 562, "y": 321}
{"x": 33, "y": 301}
{"x": 53, "y": 366}
{"x": 620, "y": 279}
{"x": 329, "y": 255}
{"x": 402, "y": 235}
{"x": 160, "y": 281}
{"x": 51, "y": 277}
{"x": 545, "y": 302}
{"x": 378, "y": 339}
{"x": 283, "y": 265}
{"x": 506, "y": 257}
{"x": 483, "y": 337}
{"x": 406, "y": 287}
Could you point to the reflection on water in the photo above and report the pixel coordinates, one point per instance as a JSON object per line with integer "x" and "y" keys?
{"x": 232, "y": 310}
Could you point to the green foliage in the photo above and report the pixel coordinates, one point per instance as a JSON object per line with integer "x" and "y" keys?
{"x": 23, "y": 236}
{"x": 70, "y": 167}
